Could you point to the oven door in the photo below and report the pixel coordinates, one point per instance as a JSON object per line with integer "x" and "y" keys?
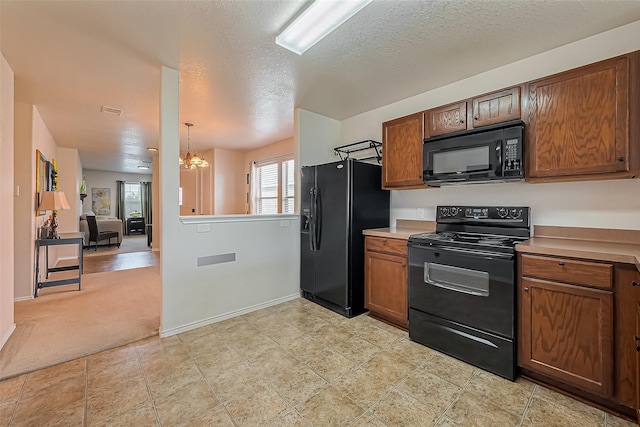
{"x": 465, "y": 158}
{"x": 474, "y": 288}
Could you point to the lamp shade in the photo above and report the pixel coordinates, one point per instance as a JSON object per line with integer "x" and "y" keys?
{"x": 53, "y": 201}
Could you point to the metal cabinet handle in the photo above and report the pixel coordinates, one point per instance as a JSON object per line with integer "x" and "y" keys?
{"x": 634, "y": 283}
{"x": 636, "y": 339}
{"x": 638, "y": 348}
{"x": 561, "y": 264}
{"x": 526, "y": 289}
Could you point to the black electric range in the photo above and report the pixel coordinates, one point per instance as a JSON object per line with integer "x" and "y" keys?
{"x": 462, "y": 284}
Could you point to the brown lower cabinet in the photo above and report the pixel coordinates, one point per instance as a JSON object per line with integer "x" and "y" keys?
{"x": 386, "y": 280}
{"x": 579, "y": 335}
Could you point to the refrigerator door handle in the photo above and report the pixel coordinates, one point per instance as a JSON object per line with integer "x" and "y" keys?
{"x": 317, "y": 219}
{"x": 312, "y": 219}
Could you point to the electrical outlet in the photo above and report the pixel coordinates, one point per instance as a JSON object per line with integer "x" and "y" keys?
{"x": 204, "y": 228}
{"x": 420, "y": 213}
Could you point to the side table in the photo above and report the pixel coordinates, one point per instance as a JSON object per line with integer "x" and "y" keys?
{"x": 65, "y": 239}
{"x": 135, "y": 225}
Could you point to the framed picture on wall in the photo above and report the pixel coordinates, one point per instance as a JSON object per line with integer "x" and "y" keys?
{"x": 43, "y": 179}
{"x": 101, "y": 201}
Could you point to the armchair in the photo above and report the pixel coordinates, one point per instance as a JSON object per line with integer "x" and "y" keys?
{"x": 96, "y": 235}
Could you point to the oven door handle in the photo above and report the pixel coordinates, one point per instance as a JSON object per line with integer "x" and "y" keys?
{"x": 484, "y": 254}
{"x": 451, "y": 287}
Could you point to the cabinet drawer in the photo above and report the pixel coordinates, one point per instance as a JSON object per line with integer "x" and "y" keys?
{"x": 568, "y": 270}
{"x": 390, "y": 246}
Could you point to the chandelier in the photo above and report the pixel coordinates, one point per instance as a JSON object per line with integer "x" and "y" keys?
{"x": 189, "y": 161}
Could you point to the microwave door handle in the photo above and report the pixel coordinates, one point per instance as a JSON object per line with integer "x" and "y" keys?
{"x": 499, "y": 158}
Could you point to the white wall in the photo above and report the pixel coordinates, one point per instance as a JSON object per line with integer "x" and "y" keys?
{"x": 229, "y": 182}
{"x": 103, "y": 179}
{"x": 190, "y": 191}
{"x": 30, "y": 134}
{"x": 266, "y": 267}
{"x": 155, "y": 203}
{"x": 276, "y": 149}
{"x": 608, "y": 204}
{"x": 7, "y": 325}
{"x": 316, "y": 137}
{"x": 69, "y": 175}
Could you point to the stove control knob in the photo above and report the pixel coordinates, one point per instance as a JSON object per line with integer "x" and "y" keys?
{"x": 454, "y": 211}
{"x": 515, "y": 213}
{"x": 502, "y": 212}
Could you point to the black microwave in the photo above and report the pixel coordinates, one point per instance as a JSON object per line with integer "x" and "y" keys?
{"x": 491, "y": 153}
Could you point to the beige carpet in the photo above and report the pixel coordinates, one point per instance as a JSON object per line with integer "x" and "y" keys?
{"x": 129, "y": 244}
{"x": 62, "y": 324}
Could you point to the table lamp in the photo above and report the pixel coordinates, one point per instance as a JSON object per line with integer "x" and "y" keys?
{"x": 53, "y": 201}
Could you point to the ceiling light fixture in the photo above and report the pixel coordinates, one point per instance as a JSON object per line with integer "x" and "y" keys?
{"x": 318, "y": 20}
{"x": 152, "y": 149}
{"x": 143, "y": 167}
{"x": 188, "y": 161}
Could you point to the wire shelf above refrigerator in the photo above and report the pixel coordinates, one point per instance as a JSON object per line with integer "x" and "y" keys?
{"x": 369, "y": 150}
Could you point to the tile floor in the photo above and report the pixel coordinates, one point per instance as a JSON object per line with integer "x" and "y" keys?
{"x": 294, "y": 364}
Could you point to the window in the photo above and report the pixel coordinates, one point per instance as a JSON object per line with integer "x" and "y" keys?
{"x": 275, "y": 186}
{"x": 288, "y": 189}
{"x": 132, "y": 199}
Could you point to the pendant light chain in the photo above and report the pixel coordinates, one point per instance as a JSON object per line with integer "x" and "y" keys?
{"x": 189, "y": 161}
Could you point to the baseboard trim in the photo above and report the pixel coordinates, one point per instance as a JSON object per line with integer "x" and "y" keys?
{"x": 6, "y": 336}
{"x": 173, "y": 331}
{"x": 25, "y": 298}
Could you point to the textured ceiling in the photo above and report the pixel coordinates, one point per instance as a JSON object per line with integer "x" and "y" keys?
{"x": 236, "y": 85}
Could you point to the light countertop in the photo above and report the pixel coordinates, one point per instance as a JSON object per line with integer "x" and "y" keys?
{"x": 582, "y": 247}
{"x": 402, "y": 230}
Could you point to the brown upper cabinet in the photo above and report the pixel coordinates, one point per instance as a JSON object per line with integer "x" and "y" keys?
{"x": 488, "y": 109}
{"x": 579, "y": 123}
{"x": 402, "y": 141}
{"x": 496, "y": 107}
{"x": 450, "y": 118}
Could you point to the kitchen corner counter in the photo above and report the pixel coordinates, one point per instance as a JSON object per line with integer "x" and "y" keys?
{"x": 402, "y": 230}
{"x": 596, "y": 248}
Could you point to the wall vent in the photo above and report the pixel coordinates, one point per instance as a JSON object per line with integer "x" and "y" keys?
{"x": 111, "y": 110}
{"x": 216, "y": 259}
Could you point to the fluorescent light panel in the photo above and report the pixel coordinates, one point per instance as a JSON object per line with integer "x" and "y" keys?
{"x": 318, "y": 20}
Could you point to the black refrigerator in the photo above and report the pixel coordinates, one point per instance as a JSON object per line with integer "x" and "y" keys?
{"x": 338, "y": 201}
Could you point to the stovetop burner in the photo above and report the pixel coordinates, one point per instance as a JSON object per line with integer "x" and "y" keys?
{"x": 485, "y": 228}
{"x": 473, "y": 239}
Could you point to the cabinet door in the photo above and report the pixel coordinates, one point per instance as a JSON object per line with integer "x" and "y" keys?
{"x": 402, "y": 141}
{"x": 567, "y": 333}
{"x": 496, "y": 107}
{"x": 449, "y": 118}
{"x": 627, "y": 298}
{"x": 637, "y": 338}
{"x": 386, "y": 287}
{"x": 578, "y": 121}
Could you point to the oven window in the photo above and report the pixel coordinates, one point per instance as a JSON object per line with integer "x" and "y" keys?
{"x": 464, "y": 160}
{"x": 457, "y": 279}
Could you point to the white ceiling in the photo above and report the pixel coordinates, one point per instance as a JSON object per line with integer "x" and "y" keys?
{"x": 236, "y": 85}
